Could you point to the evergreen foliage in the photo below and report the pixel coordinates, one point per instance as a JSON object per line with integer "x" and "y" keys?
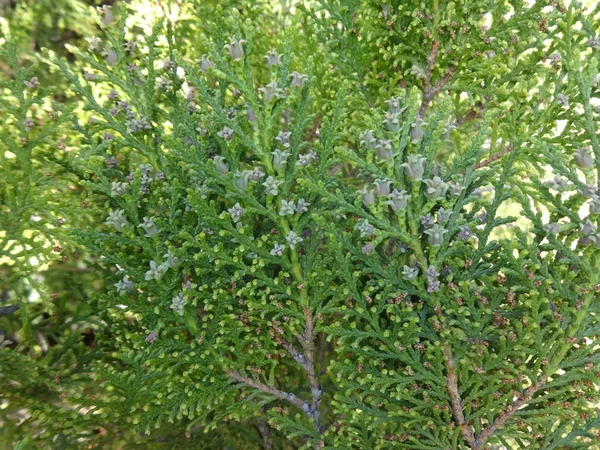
{"x": 328, "y": 225}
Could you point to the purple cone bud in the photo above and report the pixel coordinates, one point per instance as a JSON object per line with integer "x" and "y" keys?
{"x": 443, "y": 215}
{"x": 152, "y": 336}
{"x": 392, "y": 122}
{"x": 595, "y": 204}
{"x": 205, "y": 63}
{"x": 417, "y": 131}
{"x": 433, "y": 286}
{"x": 436, "y": 189}
{"x": 584, "y": 157}
{"x": 587, "y": 227}
{"x": 271, "y": 91}
{"x": 436, "y": 235}
{"x": 427, "y": 221}
{"x": 226, "y": 133}
{"x": 368, "y": 249}
{"x": 552, "y": 228}
{"x": 368, "y": 140}
{"x": 382, "y": 186}
{"x": 298, "y": 80}
{"x": 280, "y": 159}
{"x": 590, "y": 190}
{"x": 220, "y": 165}
{"x": 241, "y": 179}
{"x": 236, "y": 212}
{"x": 383, "y": 149}
{"x": 235, "y": 48}
{"x": 465, "y": 233}
{"x": 432, "y": 273}
{"x": 273, "y": 58}
{"x": 415, "y": 167}
{"x": 367, "y": 196}
{"x": 398, "y": 200}
{"x": 394, "y": 106}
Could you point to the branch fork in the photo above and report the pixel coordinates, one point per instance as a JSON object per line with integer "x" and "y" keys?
{"x": 305, "y": 359}
{"x": 477, "y": 442}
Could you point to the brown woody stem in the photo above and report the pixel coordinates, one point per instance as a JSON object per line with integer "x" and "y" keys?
{"x": 308, "y": 345}
{"x": 287, "y": 396}
{"x": 265, "y": 433}
{"x": 495, "y": 157}
{"x": 523, "y": 399}
{"x": 306, "y": 360}
{"x": 478, "y": 442}
{"x": 455, "y": 400}
{"x": 431, "y": 91}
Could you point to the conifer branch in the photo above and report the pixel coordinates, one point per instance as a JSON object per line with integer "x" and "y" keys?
{"x": 330, "y": 261}
{"x": 309, "y": 354}
{"x": 307, "y": 362}
{"x": 287, "y": 396}
{"x": 495, "y": 157}
{"x": 470, "y": 115}
{"x": 431, "y": 91}
{"x": 477, "y": 442}
{"x": 457, "y": 408}
{"x": 523, "y": 399}
{"x": 265, "y": 433}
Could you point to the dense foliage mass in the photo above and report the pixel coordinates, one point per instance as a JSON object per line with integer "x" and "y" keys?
{"x": 320, "y": 224}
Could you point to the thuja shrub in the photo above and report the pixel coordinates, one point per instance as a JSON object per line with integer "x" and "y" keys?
{"x": 291, "y": 271}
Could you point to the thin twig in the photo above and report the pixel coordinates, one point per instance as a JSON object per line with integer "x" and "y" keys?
{"x": 265, "y": 432}
{"x": 457, "y": 408}
{"x": 314, "y": 132}
{"x": 510, "y": 411}
{"x": 306, "y": 360}
{"x": 309, "y": 355}
{"x": 287, "y": 396}
{"x": 478, "y": 442}
{"x": 431, "y": 91}
{"x": 435, "y": 46}
{"x": 428, "y": 96}
{"x": 295, "y": 354}
{"x": 495, "y": 157}
{"x": 470, "y": 115}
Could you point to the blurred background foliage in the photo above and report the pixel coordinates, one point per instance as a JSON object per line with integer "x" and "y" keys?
{"x": 37, "y": 24}
{"x": 42, "y": 272}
